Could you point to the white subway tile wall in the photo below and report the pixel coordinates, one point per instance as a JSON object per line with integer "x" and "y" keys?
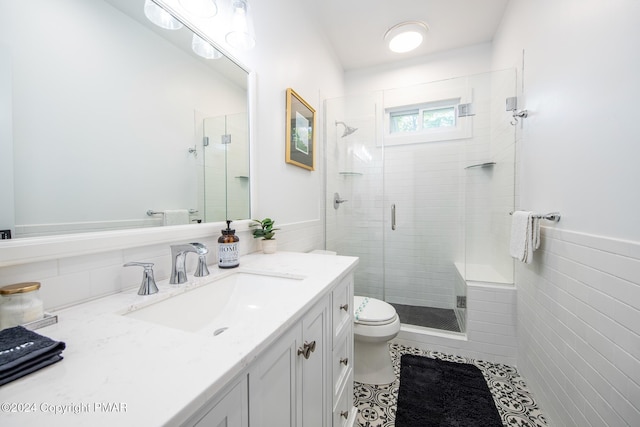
{"x": 579, "y": 328}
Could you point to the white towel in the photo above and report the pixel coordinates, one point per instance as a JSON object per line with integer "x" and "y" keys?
{"x": 525, "y": 236}
{"x": 176, "y": 217}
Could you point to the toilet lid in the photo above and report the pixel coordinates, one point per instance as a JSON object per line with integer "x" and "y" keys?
{"x": 372, "y": 311}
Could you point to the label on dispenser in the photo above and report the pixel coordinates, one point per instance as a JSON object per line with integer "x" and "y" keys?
{"x": 228, "y": 255}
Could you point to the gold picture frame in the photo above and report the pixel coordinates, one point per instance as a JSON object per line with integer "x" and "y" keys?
{"x": 301, "y": 132}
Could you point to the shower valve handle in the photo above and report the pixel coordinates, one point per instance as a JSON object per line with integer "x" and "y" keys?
{"x": 337, "y": 201}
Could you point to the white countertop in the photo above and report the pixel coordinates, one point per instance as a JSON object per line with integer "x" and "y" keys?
{"x": 127, "y": 372}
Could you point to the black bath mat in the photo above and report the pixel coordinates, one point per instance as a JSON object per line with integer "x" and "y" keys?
{"x": 437, "y": 393}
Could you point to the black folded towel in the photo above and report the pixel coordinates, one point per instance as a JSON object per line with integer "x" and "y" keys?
{"x": 23, "y": 351}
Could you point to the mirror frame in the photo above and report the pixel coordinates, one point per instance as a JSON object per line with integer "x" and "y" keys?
{"x": 45, "y": 248}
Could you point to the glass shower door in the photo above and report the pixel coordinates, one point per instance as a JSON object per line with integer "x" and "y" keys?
{"x": 354, "y": 175}
{"x": 226, "y": 167}
{"x": 423, "y": 200}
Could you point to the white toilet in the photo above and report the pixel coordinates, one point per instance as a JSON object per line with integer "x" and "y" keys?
{"x": 375, "y": 323}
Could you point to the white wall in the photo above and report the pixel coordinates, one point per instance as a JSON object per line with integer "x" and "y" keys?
{"x": 578, "y": 302}
{"x": 445, "y": 65}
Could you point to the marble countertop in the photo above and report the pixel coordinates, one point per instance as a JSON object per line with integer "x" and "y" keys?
{"x": 122, "y": 371}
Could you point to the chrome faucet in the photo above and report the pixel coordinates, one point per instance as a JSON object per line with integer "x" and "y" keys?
{"x": 179, "y": 256}
{"x": 148, "y": 285}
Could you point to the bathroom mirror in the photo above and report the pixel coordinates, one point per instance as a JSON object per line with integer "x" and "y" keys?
{"x": 107, "y": 121}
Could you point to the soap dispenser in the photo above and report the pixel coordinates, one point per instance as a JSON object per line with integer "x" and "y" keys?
{"x": 228, "y": 256}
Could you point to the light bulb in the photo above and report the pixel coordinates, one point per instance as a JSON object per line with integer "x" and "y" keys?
{"x": 240, "y": 35}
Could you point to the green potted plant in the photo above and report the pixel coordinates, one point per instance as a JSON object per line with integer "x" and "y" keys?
{"x": 264, "y": 230}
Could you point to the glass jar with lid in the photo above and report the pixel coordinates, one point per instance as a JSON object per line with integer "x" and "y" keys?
{"x": 20, "y": 303}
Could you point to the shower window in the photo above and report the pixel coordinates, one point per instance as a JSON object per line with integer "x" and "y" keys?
{"x": 439, "y": 118}
{"x": 404, "y": 121}
{"x": 426, "y": 122}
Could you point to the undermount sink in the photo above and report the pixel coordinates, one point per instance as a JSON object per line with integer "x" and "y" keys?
{"x": 218, "y": 305}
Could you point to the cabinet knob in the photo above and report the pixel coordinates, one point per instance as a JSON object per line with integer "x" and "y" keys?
{"x": 345, "y": 361}
{"x": 344, "y": 414}
{"x": 307, "y": 349}
{"x": 344, "y": 307}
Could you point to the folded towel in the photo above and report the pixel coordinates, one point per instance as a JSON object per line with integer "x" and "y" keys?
{"x": 176, "y": 217}
{"x": 525, "y": 236}
{"x": 23, "y": 351}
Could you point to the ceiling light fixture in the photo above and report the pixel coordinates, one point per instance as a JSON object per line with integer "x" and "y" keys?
{"x": 241, "y": 35}
{"x": 405, "y": 36}
{"x": 160, "y": 17}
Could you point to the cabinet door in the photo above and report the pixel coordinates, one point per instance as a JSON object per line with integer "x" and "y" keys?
{"x": 272, "y": 384}
{"x": 315, "y": 331}
{"x": 231, "y": 411}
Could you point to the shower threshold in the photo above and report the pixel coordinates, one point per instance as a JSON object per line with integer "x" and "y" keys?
{"x": 429, "y": 317}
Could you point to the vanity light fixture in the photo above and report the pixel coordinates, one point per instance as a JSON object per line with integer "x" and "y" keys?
{"x": 405, "y": 36}
{"x": 200, "y": 8}
{"x": 204, "y": 48}
{"x": 160, "y": 17}
{"x": 241, "y": 35}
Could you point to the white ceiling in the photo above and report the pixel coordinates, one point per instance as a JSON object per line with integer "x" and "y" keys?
{"x": 356, "y": 28}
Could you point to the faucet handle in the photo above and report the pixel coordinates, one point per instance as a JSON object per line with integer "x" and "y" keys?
{"x": 202, "y": 269}
{"x": 148, "y": 285}
{"x": 202, "y": 252}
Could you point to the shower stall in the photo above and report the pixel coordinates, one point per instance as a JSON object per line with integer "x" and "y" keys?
{"x": 419, "y": 185}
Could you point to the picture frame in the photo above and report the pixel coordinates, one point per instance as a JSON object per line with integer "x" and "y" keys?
{"x": 300, "y": 132}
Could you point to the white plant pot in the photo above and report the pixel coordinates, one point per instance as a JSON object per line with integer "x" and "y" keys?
{"x": 269, "y": 246}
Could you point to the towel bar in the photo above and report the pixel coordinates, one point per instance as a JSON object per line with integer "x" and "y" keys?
{"x": 152, "y": 212}
{"x": 551, "y": 216}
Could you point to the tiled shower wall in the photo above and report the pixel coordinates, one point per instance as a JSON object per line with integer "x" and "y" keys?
{"x": 426, "y": 182}
{"x": 489, "y": 191}
{"x": 579, "y": 328}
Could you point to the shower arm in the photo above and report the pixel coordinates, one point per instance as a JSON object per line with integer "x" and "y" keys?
{"x": 348, "y": 130}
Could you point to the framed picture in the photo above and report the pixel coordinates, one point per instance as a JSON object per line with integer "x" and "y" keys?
{"x": 301, "y": 131}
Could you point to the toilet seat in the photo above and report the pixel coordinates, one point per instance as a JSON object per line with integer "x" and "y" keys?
{"x": 373, "y": 312}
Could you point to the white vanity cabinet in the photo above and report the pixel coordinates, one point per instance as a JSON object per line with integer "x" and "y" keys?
{"x": 287, "y": 384}
{"x": 341, "y": 365}
{"x": 305, "y": 378}
{"x": 232, "y": 409}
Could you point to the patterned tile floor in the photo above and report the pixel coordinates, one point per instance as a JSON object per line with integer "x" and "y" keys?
{"x": 377, "y": 404}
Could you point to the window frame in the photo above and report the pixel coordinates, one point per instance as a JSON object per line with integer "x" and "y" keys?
{"x": 463, "y": 127}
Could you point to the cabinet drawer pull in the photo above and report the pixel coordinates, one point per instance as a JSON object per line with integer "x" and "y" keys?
{"x": 345, "y": 361}
{"x": 344, "y": 307}
{"x": 307, "y": 349}
{"x": 344, "y": 414}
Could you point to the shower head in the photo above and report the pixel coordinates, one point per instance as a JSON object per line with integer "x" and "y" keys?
{"x": 348, "y": 130}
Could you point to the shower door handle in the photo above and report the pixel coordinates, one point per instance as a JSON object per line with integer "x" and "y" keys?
{"x": 393, "y": 216}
